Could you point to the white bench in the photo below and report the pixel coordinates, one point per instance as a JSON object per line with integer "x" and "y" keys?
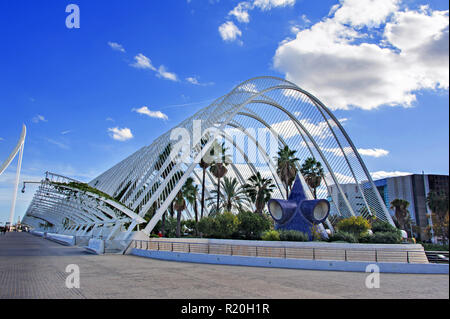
{"x": 37, "y": 233}
{"x": 96, "y": 246}
{"x": 66, "y": 240}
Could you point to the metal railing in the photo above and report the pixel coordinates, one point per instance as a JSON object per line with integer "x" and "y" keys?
{"x": 307, "y": 253}
{"x": 437, "y": 257}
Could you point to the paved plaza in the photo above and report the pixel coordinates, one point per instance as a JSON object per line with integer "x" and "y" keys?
{"x": 33, "y": 267}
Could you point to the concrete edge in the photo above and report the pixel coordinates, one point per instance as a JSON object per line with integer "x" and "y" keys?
{"x": 328, "y": 265}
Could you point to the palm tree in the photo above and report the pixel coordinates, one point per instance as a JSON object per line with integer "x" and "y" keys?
{"x": 218, "y": 167}
{"x": 234, "y": 197}
{"x": 313, "y": 173}
{"x": 259, "y": 190}
{"x": 286, "y": 167}
{"x": 191, "y": 197}
{"x": 204, "y": 164}
{"x": 180, "y": 201}
{"x": 400, "y": 207}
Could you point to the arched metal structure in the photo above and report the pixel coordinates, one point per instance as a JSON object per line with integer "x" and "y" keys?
{"x": 254, "y": 119}
{"x": 17, "y": 150}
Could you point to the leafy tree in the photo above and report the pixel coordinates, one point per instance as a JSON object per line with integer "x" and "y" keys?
{"x": 439, "y": 206}
{"x": 313, "y": 173}
{"x": 400, "y": 207}
{"x": 259, "y": 190}
{"x": 286, "y": 167}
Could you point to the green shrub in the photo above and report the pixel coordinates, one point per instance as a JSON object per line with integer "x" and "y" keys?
{"x": 271, "y": 235}
{"x": 386, "y": 238}
{"x": 205, "y": 226}
{"x": 252, "y": 225}
{"x": 170, "y": 227}
{"x": 189, "y": 225}
{"x": 381, "y": 226}
{"x": 293, "y": 235}
{"x": 364, "y": 238}
{"x": 344, "y": 236}
{"x": 353, "y": 225}
{"x": 220, "y": 226}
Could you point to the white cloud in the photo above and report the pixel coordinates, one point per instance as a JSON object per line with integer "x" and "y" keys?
{"x": 66, "y": 132}
{"x": 192, "y": 80}
{"x": 120, "y": 134}
{"x": 370, "y": 13}
{"x": 373, "y": 152}
{"x": 155, "y": 114}
{"x": 269, "y": 4}
{"x": 38, "y": 118}
{"x": 384, "y": 174}
{"x": 142, "y": 62}
{"x": 109, "y": 119}
{"x": 229, "y": 31}
{"x": 2, "y": 139}
{"x": 59, "y": 144}
{"x": 116, "y": 46}
{"x": 162, "y": 72}
{"x": 295, "y": 29}
{"x": 346, "y": 67}
{"x": 195, "y": 81}
{"x": 241, "y": 12}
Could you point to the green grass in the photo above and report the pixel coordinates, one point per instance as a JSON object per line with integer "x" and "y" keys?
{"x": 434, "y": 247}
{"x": 87, "y": 188}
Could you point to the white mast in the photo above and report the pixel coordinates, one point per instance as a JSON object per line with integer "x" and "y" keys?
{"x": 18, "y": 149}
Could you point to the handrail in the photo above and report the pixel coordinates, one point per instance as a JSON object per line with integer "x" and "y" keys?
{"x": 235, "y": 250}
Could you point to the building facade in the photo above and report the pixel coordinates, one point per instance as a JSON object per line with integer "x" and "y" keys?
{"x": 413, "y": 188}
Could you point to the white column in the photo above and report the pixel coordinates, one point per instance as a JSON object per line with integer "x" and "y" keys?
{"x": 16, "y": 185}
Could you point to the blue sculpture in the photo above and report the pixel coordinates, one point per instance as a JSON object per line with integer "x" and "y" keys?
{"x": 298, "y": 213}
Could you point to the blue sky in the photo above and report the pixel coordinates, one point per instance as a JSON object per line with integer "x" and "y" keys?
{"x": 73, "y": 87}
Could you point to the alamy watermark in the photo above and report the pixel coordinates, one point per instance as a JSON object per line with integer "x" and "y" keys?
{"x": 73, "y": 19}
{"x": 242, "y": 145}
{"x": 73, "y": 279}
{"x": 373, "y": 280}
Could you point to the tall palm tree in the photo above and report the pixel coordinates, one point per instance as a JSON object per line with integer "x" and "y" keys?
{"x": 259, "y": 190}
{"x": 191, "y": 198}
{"x": 400, "y": 207}
{"x": 313, "y": 173}
{"x": 204, "y": 164}
{"x": 184, "y": 194}
{"x": 218, "y": 167}
{"x": 234, "y": 197}
{"x": 286, "y": 167}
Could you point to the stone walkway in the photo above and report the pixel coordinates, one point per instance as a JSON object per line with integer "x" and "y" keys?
{"x": 33, "y": 267}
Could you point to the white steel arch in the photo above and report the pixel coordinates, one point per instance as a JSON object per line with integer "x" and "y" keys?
{"x": 17, "y": 150}
{"x": 152, "y": 176}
